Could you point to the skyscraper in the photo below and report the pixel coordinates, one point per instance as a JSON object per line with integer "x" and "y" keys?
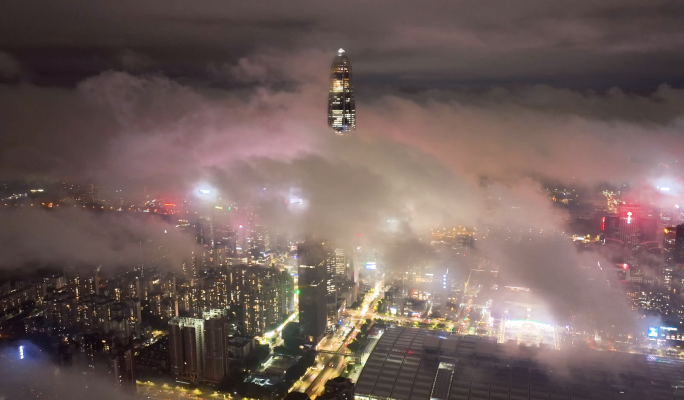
{"x": 197, "y": 347}
{"x": 123, "y": 363}
{"x": 186, "y": 348}
{"x": 678, "y": 251}
{"x": 215, "y": 338}
{"x": 313, "y": 288}
{"x": 261, "y": 297}
{"x": 341, "y": 105}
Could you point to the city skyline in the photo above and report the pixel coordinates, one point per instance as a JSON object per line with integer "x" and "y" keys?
{"x": 180, "y": 221}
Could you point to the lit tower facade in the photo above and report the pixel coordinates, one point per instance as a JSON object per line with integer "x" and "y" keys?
{"x": 341, "y": 105}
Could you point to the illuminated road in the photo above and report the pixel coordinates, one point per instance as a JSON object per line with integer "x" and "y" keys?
{"x": 326, "y": 367}
{"x": 166, "y": 392}
{"x": 329, "y": 366}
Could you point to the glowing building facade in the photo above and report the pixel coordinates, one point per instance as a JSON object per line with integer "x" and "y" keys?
{"x": 341, "y": 105}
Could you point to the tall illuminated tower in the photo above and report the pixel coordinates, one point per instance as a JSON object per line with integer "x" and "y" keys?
{"x": 341, "y": 106}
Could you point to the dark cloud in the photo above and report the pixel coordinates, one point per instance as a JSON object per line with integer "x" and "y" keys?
{"x": 635, "y": 44}
{"x": 9, "y": 66}
{"x": 89, "y": 239}
{"x": 417, "y": 157}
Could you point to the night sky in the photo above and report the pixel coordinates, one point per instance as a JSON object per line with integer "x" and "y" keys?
{"x": 636, "y": 45}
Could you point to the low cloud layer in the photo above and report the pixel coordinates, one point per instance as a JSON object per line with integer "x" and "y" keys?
{"x": 416, "y": 159}
{"x": 89, "y": 239}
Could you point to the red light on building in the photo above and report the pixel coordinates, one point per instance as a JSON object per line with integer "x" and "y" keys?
{"x": 169, "y": 205}
{"x": 625, "y": 266}
{"x": 603, "y": 224}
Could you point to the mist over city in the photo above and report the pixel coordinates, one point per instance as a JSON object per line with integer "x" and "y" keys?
{"x": 351, "y": 201}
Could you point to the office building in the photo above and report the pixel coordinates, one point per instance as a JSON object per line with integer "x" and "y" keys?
{"x": 340, "y": 262}
{"x": 313, "y": 311}
{"x": 336, "y": 263}
{"x": 314, "y": 283}
{"x": 341, "y": 105}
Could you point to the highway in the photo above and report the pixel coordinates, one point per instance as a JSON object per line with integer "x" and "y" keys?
{"x": 327, "y": 365}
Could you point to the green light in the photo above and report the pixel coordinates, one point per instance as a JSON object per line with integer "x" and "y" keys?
{"x": 297, "y": 291}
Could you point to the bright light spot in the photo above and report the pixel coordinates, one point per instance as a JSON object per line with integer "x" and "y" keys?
{"x": 21, "y": 352}
{"x": 204, "y": 191}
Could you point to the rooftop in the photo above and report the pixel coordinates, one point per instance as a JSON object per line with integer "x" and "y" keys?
{"x": 416, "y": 364}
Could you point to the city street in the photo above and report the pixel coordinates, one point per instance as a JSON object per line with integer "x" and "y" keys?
{"x": 328, "y": 365}
{"x": 168, "y": 392}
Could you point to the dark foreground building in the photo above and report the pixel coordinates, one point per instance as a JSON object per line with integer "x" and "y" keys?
{"x": 414, "y": 364}
{"x": 339, "y": 388}
{"x": 341, "y": 105}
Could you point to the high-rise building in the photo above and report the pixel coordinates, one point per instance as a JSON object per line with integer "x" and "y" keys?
{"x": 215, "y": 338}
{"x": 313, "y": 311}
{"x": 336, "y": 262}
{"x": 341, "y": 105}
{"x": 633, "y": 226}
{"x": 186, "y": 348}
{"x": 340, "y": 262}
{"x": 313, "y": 282}
{"x": 197, "y": 347}
{"x": 285, "y": 283}
{"x": 261, "y": 297}
{"x": 123, "y": 364}
{"x": 669, "y": 244}
{"x": 678, "y": 253}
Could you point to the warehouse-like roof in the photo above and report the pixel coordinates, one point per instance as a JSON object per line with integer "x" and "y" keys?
{"x": 418, "y": 364}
